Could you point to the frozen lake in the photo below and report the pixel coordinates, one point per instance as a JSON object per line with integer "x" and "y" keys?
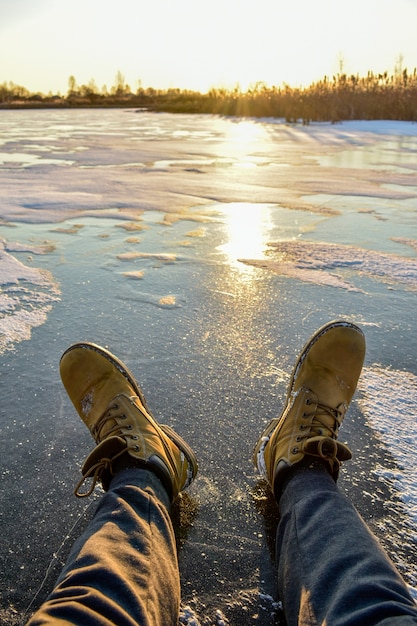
{"x": 203, "y": 251}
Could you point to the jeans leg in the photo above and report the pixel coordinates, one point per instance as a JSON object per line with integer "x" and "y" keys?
{"x": 331, "y": 569}
{"x": 123, "y": 570}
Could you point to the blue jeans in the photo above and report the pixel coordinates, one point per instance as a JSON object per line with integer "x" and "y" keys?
{"x": 123, "y": 570}
{"x": 331, "y": 569}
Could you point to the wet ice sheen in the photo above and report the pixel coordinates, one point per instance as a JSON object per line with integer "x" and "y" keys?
{"x": 296, "y": 225}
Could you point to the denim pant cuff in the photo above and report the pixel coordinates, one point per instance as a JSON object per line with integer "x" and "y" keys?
{"x": 302, "y": 483}
{"x": 144, "y": 479}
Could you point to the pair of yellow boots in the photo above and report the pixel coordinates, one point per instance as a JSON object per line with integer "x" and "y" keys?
{"x": 111, "y": 404}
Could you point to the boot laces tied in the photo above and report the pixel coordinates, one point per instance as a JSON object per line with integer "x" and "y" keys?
{"x": 95, "y": 472}
{"x": 326, "y": 423}
{"x": 100, "y": 433}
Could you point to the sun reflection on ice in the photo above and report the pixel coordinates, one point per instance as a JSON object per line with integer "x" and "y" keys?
{"x": 246, "y": 142}
{"x": 246, "y": 132}
{"x": 248, "y": 229}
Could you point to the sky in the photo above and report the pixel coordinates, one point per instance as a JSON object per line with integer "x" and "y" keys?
{"x": 196, "y": 44}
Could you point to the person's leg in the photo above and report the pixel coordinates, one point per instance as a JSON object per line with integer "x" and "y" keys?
{"x": 123, "y": 570}
{"x": 331, "y": 569}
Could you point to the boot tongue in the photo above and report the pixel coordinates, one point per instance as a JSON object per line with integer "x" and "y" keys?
{"x": 98, "y": 465}
{"x": 107, "y": 449}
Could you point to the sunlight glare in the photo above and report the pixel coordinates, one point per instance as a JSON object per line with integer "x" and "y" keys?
{"x": 244, "y": 140}
{"x": 246, "y": 132}
{"x": 248, "y": 228}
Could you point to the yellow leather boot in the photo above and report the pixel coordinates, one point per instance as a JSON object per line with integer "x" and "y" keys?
{"x": 111, "y": 404}
{"x": 322, "y": 384}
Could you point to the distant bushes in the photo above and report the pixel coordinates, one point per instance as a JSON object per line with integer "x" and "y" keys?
{"x": 342, "y": 98}
{"x": 375, "y": 96}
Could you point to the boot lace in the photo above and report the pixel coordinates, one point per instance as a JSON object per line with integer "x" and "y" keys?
{"x": 95, "y": 472}
{"x": 110, "y": 413}
{"x": 325, "y": 423}
{"x": 106, "y": 463}
{"x": 321, "y": 421}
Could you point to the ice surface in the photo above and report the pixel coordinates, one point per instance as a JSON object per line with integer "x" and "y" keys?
{"x": 204, "y": 251}
{"x": 120, "y": 164}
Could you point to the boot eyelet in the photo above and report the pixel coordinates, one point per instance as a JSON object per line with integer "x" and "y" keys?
{"x": 304, "y": 415}
{"x": 308, "y": 400}
{"x": 294, "y": 450}
{"x": 129, "y": 427}
{"x": 134, "y": 437}
{"x": 298, "y": 438}
{"x": 136, "y": 448}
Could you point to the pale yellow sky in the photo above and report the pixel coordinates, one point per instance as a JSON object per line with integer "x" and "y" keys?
{"x": 198, "y": 44}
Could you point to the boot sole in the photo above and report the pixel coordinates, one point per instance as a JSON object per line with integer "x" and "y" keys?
{"x": 167, "y": 430}
{"x": 275, "y": 422}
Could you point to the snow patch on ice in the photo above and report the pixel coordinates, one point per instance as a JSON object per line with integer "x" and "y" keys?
{"x": 318, "y": 263}
{"x": 389, "y": 401}
{"x": 413, "y": 592}
{"x": 129, "y": 256}
{"x": 26, "y": 295}
{"x": 134, "y": 275}
{"x": 188, "y": 617}
{"x": 166, "y": 301}
{"x": 412, "y": 243}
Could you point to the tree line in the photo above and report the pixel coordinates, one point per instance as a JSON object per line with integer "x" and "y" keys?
{"x": 342, "y": 97}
